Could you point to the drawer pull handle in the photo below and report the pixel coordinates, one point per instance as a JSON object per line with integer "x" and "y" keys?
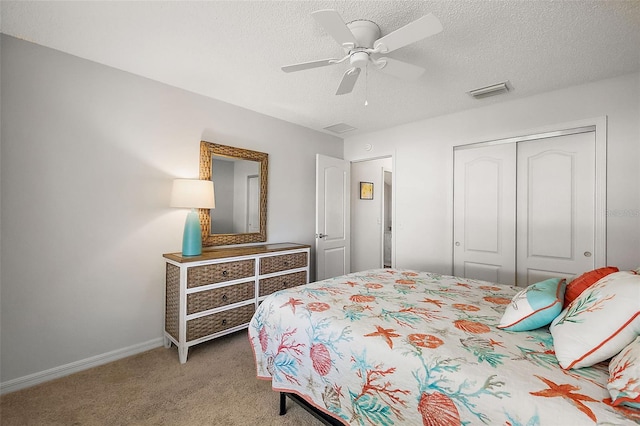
{"x": 225, "y": 273}
{"x": 224, "y": 297}
{"x": 224, "y": 321}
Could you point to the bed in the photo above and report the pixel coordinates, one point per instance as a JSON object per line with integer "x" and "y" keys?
{"x": 396, "y": 347}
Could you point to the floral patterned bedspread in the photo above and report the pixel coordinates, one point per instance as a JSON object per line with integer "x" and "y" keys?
{"x": 390, "y": 347}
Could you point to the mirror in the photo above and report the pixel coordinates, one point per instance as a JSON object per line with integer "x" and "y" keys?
{"x": 240, "y": 182}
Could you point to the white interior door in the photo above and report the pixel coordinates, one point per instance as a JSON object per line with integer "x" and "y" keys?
{"x": 332, "y": 217}
{"x": 485, "y": 213}
{"x": 556, "y": 207}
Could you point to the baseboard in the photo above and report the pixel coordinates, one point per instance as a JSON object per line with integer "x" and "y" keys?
{"x": 74, "y": 367}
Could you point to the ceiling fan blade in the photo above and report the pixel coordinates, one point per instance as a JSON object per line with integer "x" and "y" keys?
{"x": 399, "y": 69}
{"x": 348, "y": 81}
{"x": 335, "y": 26}
{"x": 309, "y": 65}
{"x": 421, "y": 28}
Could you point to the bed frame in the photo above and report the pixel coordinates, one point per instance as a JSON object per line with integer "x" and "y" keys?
{"x": 323, "y": 417}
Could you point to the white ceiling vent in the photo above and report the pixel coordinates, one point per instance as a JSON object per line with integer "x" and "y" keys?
{"x": 340, "y": 128}
{"x": 485, "y": 92}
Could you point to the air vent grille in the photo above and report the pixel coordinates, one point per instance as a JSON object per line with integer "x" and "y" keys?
{"x": 493, "y": 90}
{"x": 340, "y": 128}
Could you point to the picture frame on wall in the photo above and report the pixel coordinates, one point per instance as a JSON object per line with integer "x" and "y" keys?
{"x": 366, "y": 190}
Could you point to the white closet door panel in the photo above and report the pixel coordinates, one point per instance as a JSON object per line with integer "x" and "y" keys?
{"x": 484, "y": 213}
{"x": 556, "y": 184}
{"x": 550, "y": 204}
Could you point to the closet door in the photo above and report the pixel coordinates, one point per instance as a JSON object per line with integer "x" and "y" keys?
{"x": 485, "y": 213}
{"x": 556, "y": 207}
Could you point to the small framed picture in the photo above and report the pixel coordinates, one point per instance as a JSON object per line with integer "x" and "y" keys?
{"x": 366, "y": 190}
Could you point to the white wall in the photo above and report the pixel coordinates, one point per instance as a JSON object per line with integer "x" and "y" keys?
{"x": 423, "y": 167}
{"x": 366, "y": 215}
{"x": 88, "y": 156}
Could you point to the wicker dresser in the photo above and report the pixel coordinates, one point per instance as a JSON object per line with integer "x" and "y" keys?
{"x": 216, "y": 293}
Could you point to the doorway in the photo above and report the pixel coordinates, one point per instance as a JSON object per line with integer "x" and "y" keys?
{"x": 387, "y": 218}
{"x": 372, "y": 217}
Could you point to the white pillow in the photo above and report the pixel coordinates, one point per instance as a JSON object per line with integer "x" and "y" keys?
{"x": 600, "y": 322}
{"x": 624, "y": 376}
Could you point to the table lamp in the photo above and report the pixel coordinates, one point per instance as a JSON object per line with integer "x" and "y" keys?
{"x": 192, "y": 194}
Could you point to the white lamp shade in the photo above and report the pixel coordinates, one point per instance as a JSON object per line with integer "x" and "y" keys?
{"x": 193, "y": 194}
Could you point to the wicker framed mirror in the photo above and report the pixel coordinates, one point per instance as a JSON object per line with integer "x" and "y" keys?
{"x": 240, "y": 178}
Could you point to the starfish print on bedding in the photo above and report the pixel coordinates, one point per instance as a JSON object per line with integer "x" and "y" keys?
{"x": 496, "y": 343}
{"x": 293, "y": 302}
{"x": 436, "y": 302}
{"x": 387, "y": 333}
{"x": 566, "y": 391}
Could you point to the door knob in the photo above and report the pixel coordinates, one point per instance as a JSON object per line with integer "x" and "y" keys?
{"x": 457, "y": 243}
{"x": 587, "y": 254}
{"x": 321, "y": 235}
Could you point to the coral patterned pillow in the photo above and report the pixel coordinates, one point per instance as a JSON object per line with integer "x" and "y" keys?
{"x": 624, "y": 376}
{"x": 584, "y": 281}
{"x": 600, "y": 322}
{"x": 535, "y": 306}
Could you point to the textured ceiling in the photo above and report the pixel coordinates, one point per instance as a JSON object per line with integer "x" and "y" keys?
{"x": 233, "y": 50}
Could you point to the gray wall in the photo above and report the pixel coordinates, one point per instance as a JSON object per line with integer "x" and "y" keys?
{"x": 88, "y": 156}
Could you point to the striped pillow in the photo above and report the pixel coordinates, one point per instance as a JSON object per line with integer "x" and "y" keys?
{"x": 584, "y": 281}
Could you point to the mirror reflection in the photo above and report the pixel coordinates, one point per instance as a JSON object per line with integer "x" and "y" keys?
{"x": 237, "y": 184}
{"x": 240, "y": 179}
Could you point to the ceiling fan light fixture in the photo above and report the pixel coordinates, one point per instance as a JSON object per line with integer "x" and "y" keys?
{"x": 494, "y": 89}
{"x": 340, "y": 128}
{"x": 361, "y": 38}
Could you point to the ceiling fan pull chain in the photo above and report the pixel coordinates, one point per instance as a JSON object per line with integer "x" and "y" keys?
{"x": 366, "y": 84}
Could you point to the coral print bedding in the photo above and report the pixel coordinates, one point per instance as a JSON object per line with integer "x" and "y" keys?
{"x": 391, "y": 347}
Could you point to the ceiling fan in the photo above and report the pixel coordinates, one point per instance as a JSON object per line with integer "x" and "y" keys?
{"x": 363, "y": 45}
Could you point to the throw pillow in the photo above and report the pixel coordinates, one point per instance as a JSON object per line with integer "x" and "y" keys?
{"x": 624, "y": 376}
{"x": 535, "y": 306}
{"x": 600, "y": 322}
{"x": 576, "y": 286}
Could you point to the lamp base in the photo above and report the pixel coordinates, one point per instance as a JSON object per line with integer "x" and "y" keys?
{"x": 192, "y": 237}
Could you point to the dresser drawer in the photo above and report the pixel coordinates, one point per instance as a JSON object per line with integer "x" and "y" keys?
{"x": 214, "y": 298}
{"x": 269, "y": 285}
{"x": 272, "y": 264}
{"x": 219, "y": 272}
{"x": 210, "y": 324}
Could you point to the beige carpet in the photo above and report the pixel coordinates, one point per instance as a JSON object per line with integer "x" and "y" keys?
{"x": 217, "y": 386}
